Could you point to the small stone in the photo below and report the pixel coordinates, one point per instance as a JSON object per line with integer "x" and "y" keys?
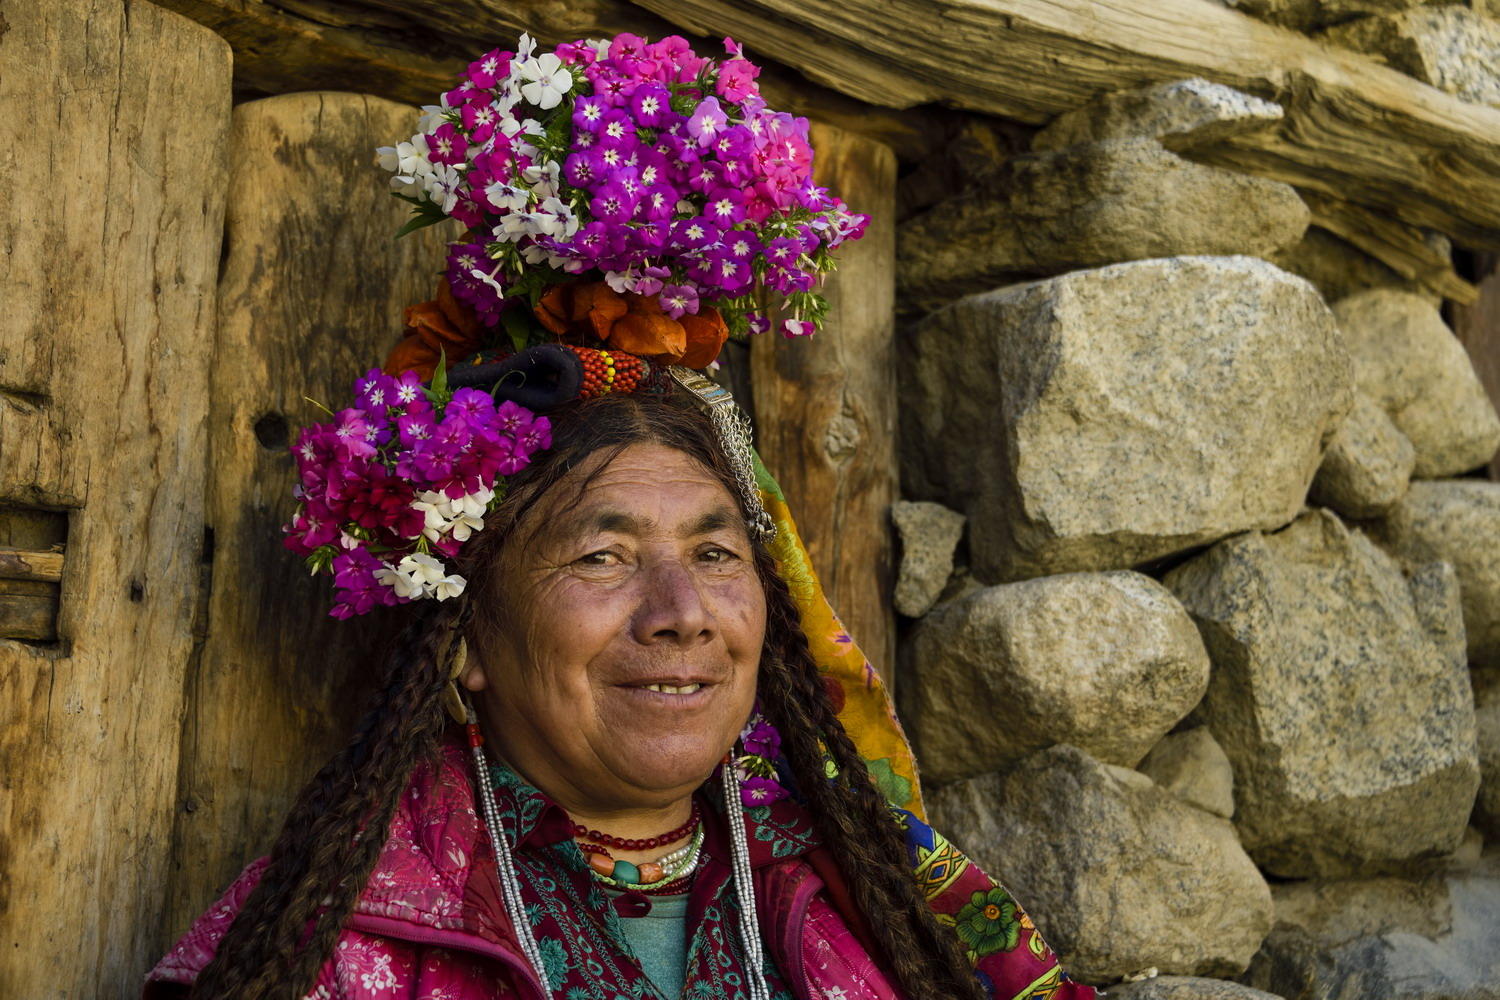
{"x": 1192, "y": 766}
{"x": 1118, "y": 874}
{"x": 1106, "y": 418}
{"x": 1452, "y": 48}
{"x": 1105, "y": 661}
{"x": 1182, "y": 114}
{"x": 602, "y": 864}
{"x": 1436, "y": 937}
{"x": 651, "y": 873}
{"x": 1349, "y": 724}
{"x": 1455, "y": 521}
{"x": 1409, "y": 362}
{"x": 929, "y": 534}
{"x": 626, "y": 872}
{"x": 1367, "y": 464}
{"x": 1185, "y": 988}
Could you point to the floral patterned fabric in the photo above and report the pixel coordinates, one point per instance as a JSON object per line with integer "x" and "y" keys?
{"x": 863, "y": 704}
{"x": 430, "y": 924}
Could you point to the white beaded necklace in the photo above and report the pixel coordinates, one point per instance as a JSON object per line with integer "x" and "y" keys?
{"x": 510, "y": 884}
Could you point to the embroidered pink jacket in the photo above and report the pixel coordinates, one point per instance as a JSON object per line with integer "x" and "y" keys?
{"x": 430, "y": 925}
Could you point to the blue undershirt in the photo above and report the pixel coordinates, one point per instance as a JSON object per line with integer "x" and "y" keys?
{"x": 659, "y": 941}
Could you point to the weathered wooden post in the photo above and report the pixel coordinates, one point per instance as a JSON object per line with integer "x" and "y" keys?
{"x": 114, "y": 125}
{"x": 826, "y": 407}
{"x": 310, "y": 297}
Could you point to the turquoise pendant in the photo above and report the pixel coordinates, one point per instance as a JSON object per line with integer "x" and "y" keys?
{"x": 626, "y": 872}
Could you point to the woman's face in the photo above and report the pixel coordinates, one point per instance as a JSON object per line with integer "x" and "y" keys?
{"x": 632, "y": 635}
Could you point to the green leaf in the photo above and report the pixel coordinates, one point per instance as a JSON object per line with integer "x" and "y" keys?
{"x": 419, "y": 222}
{"x": 516, "y": 327}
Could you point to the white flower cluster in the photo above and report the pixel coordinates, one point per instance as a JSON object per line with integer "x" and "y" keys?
{"x": 459, "y": 517}
{"x": 420, "y": 575}
{"x": 532, "y": 208}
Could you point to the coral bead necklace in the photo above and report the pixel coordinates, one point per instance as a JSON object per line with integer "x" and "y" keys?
{"x": 647, "y": 876}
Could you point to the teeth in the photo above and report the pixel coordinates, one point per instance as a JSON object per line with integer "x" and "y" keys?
{"x": 669, "y": 689}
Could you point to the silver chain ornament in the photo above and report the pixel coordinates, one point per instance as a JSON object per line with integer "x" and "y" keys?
{"x": 735, "y": 435}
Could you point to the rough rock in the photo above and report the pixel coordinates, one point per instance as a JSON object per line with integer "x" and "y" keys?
{"x": 1456, "y": 521}
{"x": 1409, "y": 362}
{"x": 1181, "y": 114}
{"x": 1338, "y": 269}
{"x": 1453, "y": 48}
{"x": 1185, "y": 988}
{"x": 1121, "y": 200}
{"x": 1108, "y": 662}
{"x": 1433, "y": 938}
{"x": 1105, "y": 418}
{"x": 1192, "y": 766}
{"x": 1367, "y": 465}
{"x": 1118, "y": 874}
{"x": 929, "y": 533}
{"x": 1487, "y": 719}
{"x": 1305, "y": 15}
{"x": 1350, "y": 726}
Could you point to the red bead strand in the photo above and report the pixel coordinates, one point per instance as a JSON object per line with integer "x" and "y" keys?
{"x": 620, "y": 844}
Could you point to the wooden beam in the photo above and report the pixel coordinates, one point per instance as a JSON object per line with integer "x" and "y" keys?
{"x": 1354, "y": 128}
{"x": 115, "y": 117}
{"x": 414, "y": 51}
{"x": 23, "y": 564}
{"x": 1398, "y": 246}
{"x": 826, "y": 407}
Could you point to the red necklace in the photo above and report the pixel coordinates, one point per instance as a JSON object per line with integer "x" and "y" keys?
{"x": 621, "y": 844}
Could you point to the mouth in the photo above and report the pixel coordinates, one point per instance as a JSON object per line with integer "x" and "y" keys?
{"x": 672, "y": 689}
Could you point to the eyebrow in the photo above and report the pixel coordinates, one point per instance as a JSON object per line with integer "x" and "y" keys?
{"x": 611, "y": 520}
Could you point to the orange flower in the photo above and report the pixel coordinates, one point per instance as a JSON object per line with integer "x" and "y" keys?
{"x": 633, "y": 323}
{"x": 443, "y": 327}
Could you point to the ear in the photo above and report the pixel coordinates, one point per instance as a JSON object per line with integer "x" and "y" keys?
{"x": 473, "y": 677}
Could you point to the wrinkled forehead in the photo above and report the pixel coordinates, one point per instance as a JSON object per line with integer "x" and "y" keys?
{"x": 642, "y": 489}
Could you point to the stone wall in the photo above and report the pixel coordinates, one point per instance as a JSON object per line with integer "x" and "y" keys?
{"x": 1201, "y": 565}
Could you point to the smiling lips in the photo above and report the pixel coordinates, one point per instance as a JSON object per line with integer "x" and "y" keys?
{"x": 670, "y": 689}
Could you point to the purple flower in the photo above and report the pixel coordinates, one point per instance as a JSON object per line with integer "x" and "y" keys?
{"x": 650, "y": 281}
{"x": 759, "y": 323}
{"x": 658, "y": 203}
{"x": 612, "y": 203}
{"x": 733, "y": 276}
{"x": 694, "y": 234}
{"x": 651, "y": 104}
{"x": 757, "y": 791}
{"x": 616, "y": 130}
{"x": 732, "y": 144}
{"x": 741, "y": 244}
{"x": 589, "y": 112}
{"x": 350, "y": 432}
{"x": 475, "y": 408}
{"x": 582, "y": 170}
{"x": 707, "y": 121}
{"x": 783, "y": 251}
{"x": 375, "y": 390}
{"x": 797, "y": 328}
{"x": 679, "y": 300}
{"x": 705, "y": 176}
{"x": 512, "y": 418}
{"x": 726, "y": 206}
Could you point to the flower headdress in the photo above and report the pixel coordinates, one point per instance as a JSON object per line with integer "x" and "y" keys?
{"x": 627, "y": 205}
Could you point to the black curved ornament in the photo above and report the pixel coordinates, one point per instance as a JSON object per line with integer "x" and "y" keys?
{"x": 542, "y": 377}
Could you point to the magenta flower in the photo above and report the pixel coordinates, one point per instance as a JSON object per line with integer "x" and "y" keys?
{"x": 489, "y": 69}
{"x": 797, "y": 328}
{"x": 759, "y": 323}
{"x": 694, "y": 234}
{"x": 612, "y": 203}
{"x": 448, "y": 145}
{"x": 650, "y": 281}
{"x": 737, "y": 80}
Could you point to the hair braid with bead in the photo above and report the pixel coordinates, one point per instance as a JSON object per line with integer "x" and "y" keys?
{"x": 852, "y": 815}
{"x": 325, "y": 851}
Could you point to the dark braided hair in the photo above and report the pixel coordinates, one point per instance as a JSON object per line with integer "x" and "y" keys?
{"x": 327, "y": 847}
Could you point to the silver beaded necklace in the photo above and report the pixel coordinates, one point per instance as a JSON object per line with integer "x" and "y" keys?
{"x": 510, "y": 884}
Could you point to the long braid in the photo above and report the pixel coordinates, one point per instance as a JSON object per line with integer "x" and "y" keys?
{"x": 853, "y": 816}
{"x": 333, "y": 835}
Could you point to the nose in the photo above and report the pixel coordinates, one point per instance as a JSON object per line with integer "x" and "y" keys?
{"x": 672, "y": 607}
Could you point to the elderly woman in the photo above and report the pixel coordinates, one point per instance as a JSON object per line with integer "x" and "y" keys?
{"x": 606, "y": 760}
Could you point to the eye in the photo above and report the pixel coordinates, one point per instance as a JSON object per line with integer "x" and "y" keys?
{"x": 718, "y": 554}
{"x": 604, "y": 557}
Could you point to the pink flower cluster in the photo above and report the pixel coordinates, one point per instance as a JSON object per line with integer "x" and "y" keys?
{"x": 661, "y": 170}
{"x": 400, "y": 479}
